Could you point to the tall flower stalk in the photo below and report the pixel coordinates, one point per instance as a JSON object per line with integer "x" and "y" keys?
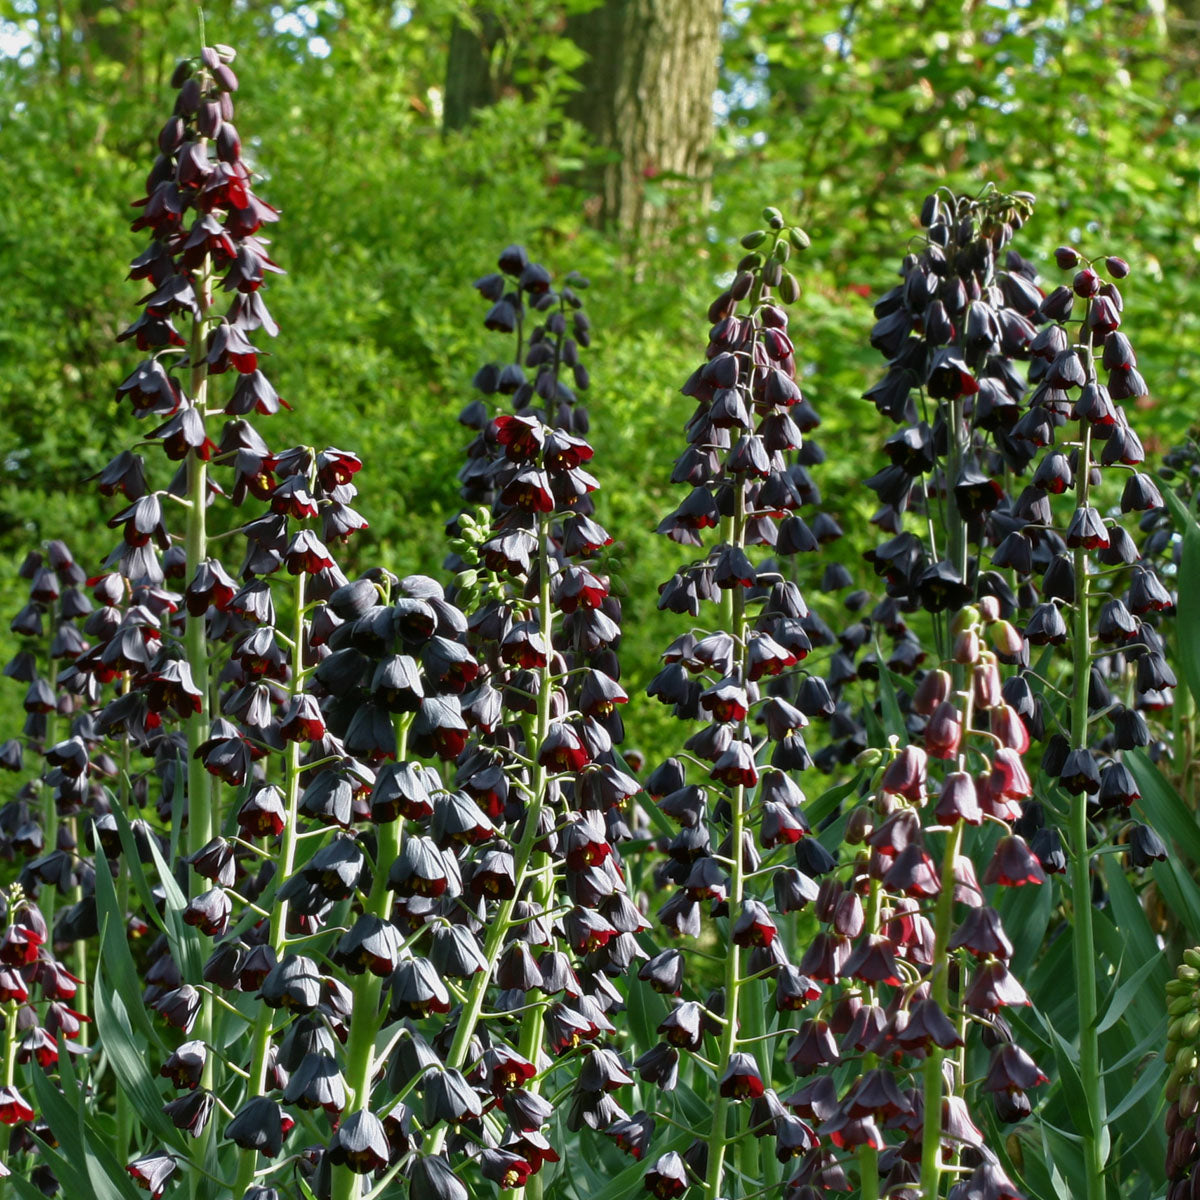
{"x": 1098, "y": 784}
{"x": 367, "y": 888}
{"x": 954, "y": 331}
{"x": 736, "y": 465}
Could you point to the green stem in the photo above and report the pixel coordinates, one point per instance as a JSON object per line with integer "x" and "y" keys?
{"x": 368, "y": 987}
{"x": 717, "y": 1138}
{"x": 1081, "y": 876}
{"x": 531, "y": 1023}
{"x": 201, "y": 787}
{"x": 261, "y": 1037}
{"x": 493, "y": 944}
{"x": 10, "y": 1043}
{"x": 868, "y": 1156}
{"x": 931, "y": 1158}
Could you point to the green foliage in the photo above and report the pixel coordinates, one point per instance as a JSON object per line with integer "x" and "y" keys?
{"x": 846, "y": 111}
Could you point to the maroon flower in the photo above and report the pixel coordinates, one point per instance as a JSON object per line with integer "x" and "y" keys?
{"x": 14, "y": 1109}
{"x": 741, "y": 1080}
{"x": 1013, "y": 864}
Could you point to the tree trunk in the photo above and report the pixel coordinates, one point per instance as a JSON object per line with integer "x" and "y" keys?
{"x": 647, "y": 100}
{"x": 469, "y": 82}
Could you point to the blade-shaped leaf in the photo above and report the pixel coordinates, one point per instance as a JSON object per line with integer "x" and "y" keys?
{"x": 827, "y": 801}
{"x": 1138, "y": 984}
{"x": 109, "y": 1178}
{"x": 1067, "y": 1059}
{"x": 1152, "y": 1077}
{"x": 129, "y": 1064}
{"x": 60, "y": 1115}
{"x": 1164, "y": 808}
{"x": 118, "y": 961}
{"x": 893, "y": 717}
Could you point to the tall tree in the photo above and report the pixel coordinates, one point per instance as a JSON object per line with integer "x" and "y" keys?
{"x": 646, "y": 97}
{"x": 471, "y": 79}
{"x": 644, "y": 91}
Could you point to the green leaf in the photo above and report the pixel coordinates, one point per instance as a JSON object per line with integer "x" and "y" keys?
{"x": 129, "y": 1064}
{"x": 1179, "y": 893}
{"x": 1127, "y": 992}
{"x": 185, "y": 941}
{"x": 893, "y": 717}
{"x": 827, "y": 801}
{"x": 1152, "y": 1077}
{"x": 1067, "y": 1058}
{"x": 1164, "y": 809}
{"x": 1026, "y": 913}
{"x": 1148, "y": 1045}
{"x": 1060, "y": 1149}
{"x": 628, "y": 1182}
{"x": 1182, "y": 516}
{"x": 131, "y": 863}
{"x": 108, "y": 1177}
{"x": 118, "y": 961}
{"x": 646, "y": 1010}
{"x": 64, "y": 1124}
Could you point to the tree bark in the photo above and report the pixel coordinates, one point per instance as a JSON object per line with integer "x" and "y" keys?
{"x": 469, "y": 82}
{"x": 646, "y": 97}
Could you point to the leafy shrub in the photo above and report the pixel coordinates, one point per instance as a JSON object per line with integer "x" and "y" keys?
{"x": 330, "y": 886}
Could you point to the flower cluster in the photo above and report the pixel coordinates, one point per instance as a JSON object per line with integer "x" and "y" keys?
{"x": 555, "y": 918}
{"x": 734, "y": 827}
{"x": 955, "y": 332}
{"x": 369, "y": 849}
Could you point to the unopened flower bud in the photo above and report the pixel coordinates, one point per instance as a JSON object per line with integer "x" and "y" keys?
{"x": 965, "y": 618}
{"x": 1005, "y": 638}
{"x": 986, "y": 683}
{"x": 859, "y": 825}
{"x": 944, "y": 731}
{"x": 931, "y": 691}
{"x": 966, "y": 647}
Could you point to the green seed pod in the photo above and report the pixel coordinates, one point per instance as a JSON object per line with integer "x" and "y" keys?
{"x": 773, "y": 217}
{"x": 751, "y": 241}
{"x": 789, "y": 288}
{"x": 799, "y": 239}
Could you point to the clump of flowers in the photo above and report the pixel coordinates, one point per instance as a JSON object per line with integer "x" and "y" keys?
{"x": 738, "y": 826}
